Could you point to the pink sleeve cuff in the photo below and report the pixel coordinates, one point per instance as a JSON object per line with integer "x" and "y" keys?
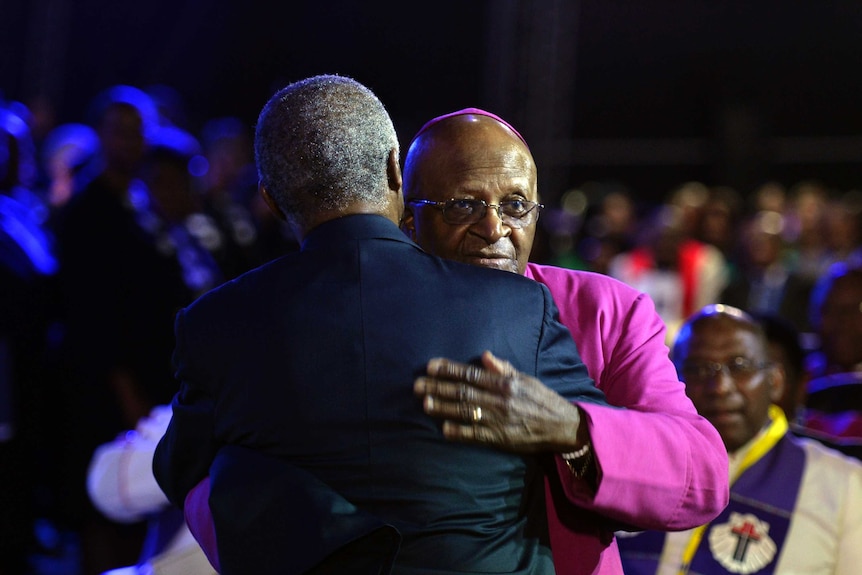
{"x": 200, "y": 520}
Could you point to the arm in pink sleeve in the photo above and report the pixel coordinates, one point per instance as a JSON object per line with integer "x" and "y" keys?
{"x": 200, "y": 520}
{"x": 662, "y": 466}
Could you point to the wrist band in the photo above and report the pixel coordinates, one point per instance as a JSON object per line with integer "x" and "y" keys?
{"x": 579, "y": 461}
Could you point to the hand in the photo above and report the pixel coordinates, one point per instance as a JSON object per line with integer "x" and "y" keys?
{"x": 499, "y": 406}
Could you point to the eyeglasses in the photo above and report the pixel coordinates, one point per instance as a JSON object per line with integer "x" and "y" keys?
{"x": 458, "y": 212}
{"x": 739, "y": 369}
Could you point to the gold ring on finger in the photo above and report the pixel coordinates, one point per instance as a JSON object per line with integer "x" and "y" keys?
{"x": 477, "y": 414}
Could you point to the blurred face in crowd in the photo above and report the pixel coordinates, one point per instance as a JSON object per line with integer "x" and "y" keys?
{"x": 170, "y": 187}
{"x": 471, "y": 157}
{"x": 763, "y": 242}
{"x": 841, "y": 322}
{"x": 725, "y": 365}
{"x": 121, "y": 134}
{"x": 717, "y": 225}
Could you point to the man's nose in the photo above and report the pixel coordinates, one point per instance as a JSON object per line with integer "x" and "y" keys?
{"x": 491, "y": 226}
{"x": 721, "y": 382}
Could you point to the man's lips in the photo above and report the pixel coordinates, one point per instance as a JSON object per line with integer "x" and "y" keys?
{"x": 493, "y": 261}
{"x": 723, "y": 415}
{"x": 490, "y": 256}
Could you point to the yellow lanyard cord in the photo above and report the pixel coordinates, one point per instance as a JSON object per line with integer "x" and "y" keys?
{"x": 776, "y": 430}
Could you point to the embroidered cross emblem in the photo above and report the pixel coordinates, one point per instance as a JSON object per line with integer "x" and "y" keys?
{"x": 742, "y": 545}
{"x": 745, "y": 533}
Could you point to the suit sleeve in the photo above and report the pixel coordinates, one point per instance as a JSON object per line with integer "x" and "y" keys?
{"x": 185, "y": 453}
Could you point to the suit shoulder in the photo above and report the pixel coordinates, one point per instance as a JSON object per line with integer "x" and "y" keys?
{"x": 252, "y": 284}
{"x": 493, "y": 277}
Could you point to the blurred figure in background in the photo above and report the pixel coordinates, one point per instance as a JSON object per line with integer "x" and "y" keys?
{"x": 785, "y": 349}
{"x": 170, "y": 106}
{"x": 27, "y": 403}
{"x": 610, "y": 225}
{"x": 834, "y": 403}
{"x": 805, "y": 235}
{"x": 680, "y": 274}
{"x": 121, "y": 484}
{"x": 65, "y": 152}
{"x": 843, "y": 228}
{"x": 763, "y": 282}
{"x": 229, "y": 188}
{"x": 795, "y": 505}
{"x": 769, "y": 197}
{"x": 719, "y": 219}
{"x": 176, "y": 220}
{"x": 688, "y": 201}
{"x": 21, "y": 162}
{"x": 120, "y": 290}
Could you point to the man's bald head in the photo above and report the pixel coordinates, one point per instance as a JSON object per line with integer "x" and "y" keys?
{"x": 469, "y": 124}
{"x": 470, "y": 154}
{"x": 467, "y": 112}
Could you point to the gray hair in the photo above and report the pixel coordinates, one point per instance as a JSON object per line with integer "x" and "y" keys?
{"x": 321, "y": 144}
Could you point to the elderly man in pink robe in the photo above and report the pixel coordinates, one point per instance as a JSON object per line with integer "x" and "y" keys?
{"x": 656, "y": 464}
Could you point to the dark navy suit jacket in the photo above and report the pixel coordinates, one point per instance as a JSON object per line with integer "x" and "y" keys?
{"x": 310, "y": 360}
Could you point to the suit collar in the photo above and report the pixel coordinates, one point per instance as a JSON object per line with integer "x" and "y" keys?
{"x": 351, "y": 228}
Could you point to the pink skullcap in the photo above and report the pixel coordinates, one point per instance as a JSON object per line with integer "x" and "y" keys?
{"x": 465, "y": 112}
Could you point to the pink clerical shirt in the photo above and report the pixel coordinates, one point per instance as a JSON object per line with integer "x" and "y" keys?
{"x": 662, "y": 466}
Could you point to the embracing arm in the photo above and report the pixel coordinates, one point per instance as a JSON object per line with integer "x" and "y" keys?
{"x": 663, "y": 466}
{"x": 658, "y": 470}
{"x": 496, "y": 405}
{"x": 184, "y": 454}
{"x": 659, "y": 464}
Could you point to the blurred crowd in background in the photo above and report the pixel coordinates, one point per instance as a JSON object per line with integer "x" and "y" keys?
{"x": 110, "y": 225}
{"x": 761, "y": 250}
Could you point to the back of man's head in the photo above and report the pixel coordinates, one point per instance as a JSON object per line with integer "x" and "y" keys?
{"x": 322, "y": 146}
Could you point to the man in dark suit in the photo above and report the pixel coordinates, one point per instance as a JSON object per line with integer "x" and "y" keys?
{"x": 297, "y": 378}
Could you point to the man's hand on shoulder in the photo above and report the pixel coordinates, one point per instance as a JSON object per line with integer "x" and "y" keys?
{"x": 499, "y": 406}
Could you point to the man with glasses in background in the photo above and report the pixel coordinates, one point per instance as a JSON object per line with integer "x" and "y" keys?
{"x": 795, "y": 505}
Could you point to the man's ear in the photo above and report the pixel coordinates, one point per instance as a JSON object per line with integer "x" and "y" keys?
{"x": 393, "y": 171}
{"x": 408, "y": 224}
{"x": 776, "y": 383}
{"x": 270, "y": 202}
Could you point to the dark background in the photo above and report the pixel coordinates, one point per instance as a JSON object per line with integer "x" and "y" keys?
{"x": 649, "y": 92}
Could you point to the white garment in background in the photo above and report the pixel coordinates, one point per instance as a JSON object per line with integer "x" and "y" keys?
{"x": 121, "y": 485}
{"x": 825, "y": 533}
